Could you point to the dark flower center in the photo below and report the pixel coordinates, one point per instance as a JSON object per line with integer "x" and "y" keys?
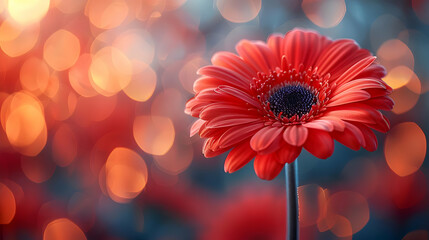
{"x": 292, "y": 100}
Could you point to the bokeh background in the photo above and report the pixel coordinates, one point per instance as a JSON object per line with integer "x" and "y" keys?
{"x": 94, "y": 143}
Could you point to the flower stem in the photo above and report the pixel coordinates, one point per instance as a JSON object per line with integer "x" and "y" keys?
{"x": 291, "y": 175}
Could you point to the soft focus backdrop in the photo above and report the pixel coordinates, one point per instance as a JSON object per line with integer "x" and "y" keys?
{"x": 94, "y": 143}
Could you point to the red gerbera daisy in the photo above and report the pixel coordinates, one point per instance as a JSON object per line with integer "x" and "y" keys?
{"x": 302, "y": 90}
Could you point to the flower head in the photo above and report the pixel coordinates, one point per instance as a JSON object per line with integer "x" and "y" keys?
{"x": 302, "y": 90}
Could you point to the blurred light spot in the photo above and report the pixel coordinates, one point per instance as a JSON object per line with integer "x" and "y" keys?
{"x": 3, "y": 5}
{"x": 151, "y": 9}
{"x": 53, "y": 85}
{"x": 104, "y": 39}
{"x": 353, "y": 207}
{"x": 405, "y": 148}
{"x": 61, "y": 50}
{"x": 110, "y": 70}
{"x": 177, "y": 159}
{"x": 239, "y": 11}
{"x": 63, "y": 229}
{"x": 407, "y": 96}
{"x": 79, "y": 76}
{"x": 173, "y": 4}
{"x": 186, "y": 39}
{"x": 69, "y": 6}
{"x": 83, "y": 206}
{"x": 63, "y": 104}
{"x": 24, "y": 125}
{"x": 64, "y": 145}
{"x": 142, "y": 85}
{"x": 37, "y": 169}
{"x": 362, "y": 175}
{"x": 126, "y": 174}
{"x": 241, "y": 32}
{"x": 94, "y": 109}
{"x": 417, "y": 235}
{"x": 325, "y": 221}
{"x": 312, "y": 202}
{"x": 324, "y": 13}
{"x": 23, "y": 120}
{"x": 168, "y": 103}
{"x": 404, "y": 36}
{"x": 102, "y": 183}
{"x": 421, "y": 7}
{"x": 153, "y": 134}
{"x": 342, "y": 227}
{"x": 9, "y": 30}
{"x": 385, "y": 27}
{"x": 136, "y": 44}
{"x": 7, "y": 204}
{"x": 20, "y": 40}
{"x": 106, "y": 14}
{"x": 161, "y": 177}
{"x": 28, "y": 11}
{"x": 34, "y": 75}
{"x": 393, "y": 53}
{"x": 16, "y": 189}
{"x": 188, "y": 73}
{"x": 36, "y": 147}
{"x": 101, "y": 150}
{"x": 409, "y": 191}
{"x": 398, "y": 76}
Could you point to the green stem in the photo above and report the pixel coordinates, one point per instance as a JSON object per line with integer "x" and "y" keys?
{"x": 291, "y": 174}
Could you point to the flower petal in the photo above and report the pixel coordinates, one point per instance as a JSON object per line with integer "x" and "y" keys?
{"x": 237, "y": 93}
{"x": 211, "y": 149}
{"x": 227, "y": 121}
{"x": 348, "y": 62}
{"x": 303, "y": 47}
{"x": 234, "y": 63}
{"x": 374, "y": 71}
{"x": 337, "y": 123}
{"x": 354, "y": 70}
{"x": 210, "y": 153}
{"x": 206, "y": 83}
{"x": 363, "y": 83}
{"x": 382, "y": 124}
{"x": 324, "y": 125}
{"x": 265, "y": 137}
{"x": 288, "y": 153}
{"x": 356, "y": 112}
{"x": 370, "y": 138}
{"x": 225, "y": 75}
{"x": 258, "y": 55}
{"x": 214, "y": 110}
{"x": 238, "y": 134}
{"x": 380, "y": 103}
{"x": 238, "y": 157}
{"x": 319, "y": 143}
{"x": 275, "y": 43}
{"x": 334, "y": 55}
{"x": 295, "y": 135}
{"x": 374, "y": 92}
{"x": 352, "y": 137}
{"x": 348, "y": 96}
{"x": 267, "y": 167}
{"x": 196, "y": 127}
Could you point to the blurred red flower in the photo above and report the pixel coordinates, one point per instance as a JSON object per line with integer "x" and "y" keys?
{"x": 246, "y": 215}
{"x": 257, "y": 213}
{"x": 274, "y": 98}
